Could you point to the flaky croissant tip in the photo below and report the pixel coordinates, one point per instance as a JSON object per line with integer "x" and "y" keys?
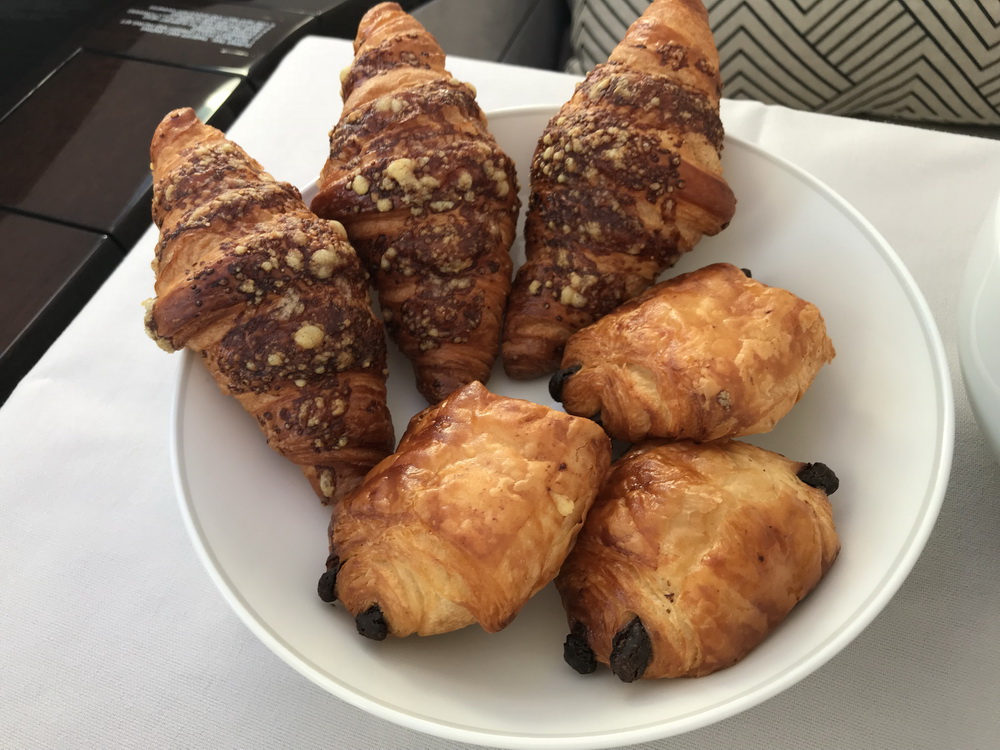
{"x": 173, "y": 120}
{"x": 149, "y": 323}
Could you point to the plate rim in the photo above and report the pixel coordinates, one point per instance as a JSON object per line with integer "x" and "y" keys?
{"x": 863, "y": 615}
{"x": 980, "y": 278}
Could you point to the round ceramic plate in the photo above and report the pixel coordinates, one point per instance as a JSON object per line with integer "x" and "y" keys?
{"x": 881, "y": 415}
{"x": 978, "y": 313}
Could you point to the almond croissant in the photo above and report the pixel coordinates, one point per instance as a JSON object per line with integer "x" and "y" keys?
{"x": 273, "y": 299}
{"x": 625, "y": 178}
{"x": 428, "y": 199}
{"x": 691, "y": 555}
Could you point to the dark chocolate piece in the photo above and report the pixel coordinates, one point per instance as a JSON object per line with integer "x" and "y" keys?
{"x": 819, "y": 476}
{"x": 371, "y": 623}
{"x": 327, "y": 587}
{"x": 746, "y": 272}
{"x": 577, "y": 652}
{"x": 558, "y": 380}
{"x": 631, "y": 651}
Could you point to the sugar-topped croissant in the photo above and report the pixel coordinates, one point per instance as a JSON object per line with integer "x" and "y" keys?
{"x": 428, "y": 199}
{"x": 470, "y": 517}
{"x": 704, "y": 355}
{"x": 691, "y": 555}
{"x": 274, "y": 300}
{"x": 625, "y": 178}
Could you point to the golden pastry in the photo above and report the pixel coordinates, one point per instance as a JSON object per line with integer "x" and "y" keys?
{"x": 692, "y": 554}
{"x": 472, "y": 515}
{"x": 708, "y": 354}
{"x": 273, "y": 299}
{"x": 626, "y": 177}
{"x": 428, "y": 199}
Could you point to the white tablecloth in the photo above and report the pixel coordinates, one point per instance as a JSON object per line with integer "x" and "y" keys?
{"x": 113, "y": 635}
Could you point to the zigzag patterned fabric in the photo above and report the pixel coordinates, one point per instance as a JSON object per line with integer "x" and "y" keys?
{"x": 933, "y": 61}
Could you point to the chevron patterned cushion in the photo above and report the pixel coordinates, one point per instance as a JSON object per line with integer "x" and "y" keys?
{"x": 934, "y": 61}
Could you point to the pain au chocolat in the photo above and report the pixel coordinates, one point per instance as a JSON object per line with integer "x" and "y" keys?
{"x": 692, "y": 555}
{"x": 708, "y": 354}
{"x": 471, "y": 516}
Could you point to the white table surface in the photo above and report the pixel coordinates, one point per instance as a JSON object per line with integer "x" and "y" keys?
{"x": 113, "y": 635}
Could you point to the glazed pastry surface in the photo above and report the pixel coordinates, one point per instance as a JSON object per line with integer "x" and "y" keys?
{"x": 470, "y": 517}
{"x": 707, "y": 354}
{"x": 692, "y": 554}
{"x": 428, "y": 199}
{"x": 626, "y": 178}
{"x": 273, "y": 299}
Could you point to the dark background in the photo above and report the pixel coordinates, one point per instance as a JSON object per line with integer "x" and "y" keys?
{"x": 83, "y": 84}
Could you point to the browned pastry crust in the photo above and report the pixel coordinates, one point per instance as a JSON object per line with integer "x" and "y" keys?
{"x": 274, "y": 300}
{"x": 691, "y": 555}
{"x": 471, "y": 516}
{"x": 707, "y": 354}
{"x": 428, "y": 198}
{"x": 626, "y": 177}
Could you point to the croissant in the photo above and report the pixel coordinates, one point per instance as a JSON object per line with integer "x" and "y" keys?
{"x": 428, "y": 199}
{"x": 625, "y": 178}
{"x": 274, "y": 300}
{"x": 472, "y": 515}
{"x": 691, "y": 555}
{"x": 708, "y": 354}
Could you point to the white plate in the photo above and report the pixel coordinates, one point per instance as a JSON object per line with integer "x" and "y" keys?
{"x": 978, "y": 316}
{"x": 881, "y": 415}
